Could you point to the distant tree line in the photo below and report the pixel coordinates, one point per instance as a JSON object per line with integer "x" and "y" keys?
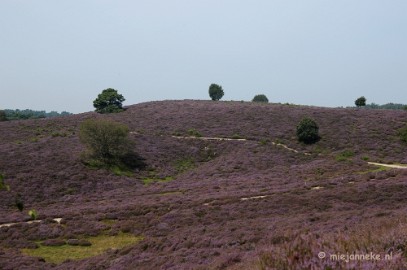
{"x": 8, "y": 114}
{"x": 389, "y": 106}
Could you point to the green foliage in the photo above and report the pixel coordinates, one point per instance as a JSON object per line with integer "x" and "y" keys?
{"x": 360, "y": 101}
{"x": 108, "y": 145}
{"x": 30, "y": 114}
{"x": 193, "y": 132}
{"x": 405, "y": 107}
{"x": 215, "y": 91}
{"x": 3, "y": 116}
{"x": 403, "y": 134}
{"x": 109, "y": 101}
{"x": 183, "y": 165}
{"x": 3, "y": 186}
{"x": 19, "y": 203}
{"x": 345, "y": 155}
{"x": 307, "y": 131}
{"x": 260, "y": 98}
{"x": 387, "y": 106}
{"x": 33, "y": 214}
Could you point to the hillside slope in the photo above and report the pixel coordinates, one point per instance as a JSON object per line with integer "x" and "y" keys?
{"x": 200, "y": 204}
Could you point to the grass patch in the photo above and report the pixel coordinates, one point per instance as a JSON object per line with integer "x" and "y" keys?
{"x": 375, "y": 170}
{"x": 183, "y": 165}
{"x": 100, "y": 244}
{"x": 194, "y": 133}
{"x": 149, "y": 180}
{"x": 345, "y": 155}
{"x": 171, "y": 193}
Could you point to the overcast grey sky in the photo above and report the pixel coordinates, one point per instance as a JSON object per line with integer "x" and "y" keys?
{"x": 59, "y": 55}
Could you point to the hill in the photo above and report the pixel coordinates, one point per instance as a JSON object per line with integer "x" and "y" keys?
{"x": 202, "y": 202}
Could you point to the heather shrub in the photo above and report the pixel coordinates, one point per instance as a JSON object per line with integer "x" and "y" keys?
{"x": 307, "y": 131}
{"x": 260, "y": 98}
{"x": 215, "y": 91}
{"x": 109, "y": 101}
{"x": 108, "y": 144}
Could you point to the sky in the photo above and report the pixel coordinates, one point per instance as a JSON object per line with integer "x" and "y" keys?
{"x": 59, "y": 55}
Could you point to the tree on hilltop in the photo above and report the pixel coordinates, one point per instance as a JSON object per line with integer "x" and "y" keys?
{"x": 109, "y": 101}
{"x": 360, "y": 101}
{"x": 215, "y": 92}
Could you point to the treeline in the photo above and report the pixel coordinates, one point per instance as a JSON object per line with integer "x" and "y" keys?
{"x": 8, "y": 114}
{"x": 389, "y": 106}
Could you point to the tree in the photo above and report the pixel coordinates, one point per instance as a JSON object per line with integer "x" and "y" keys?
{"x": 215, "y": 91}
{"x": 307, "y": 131}
{"x": 260, "y": 98}
{"x": 3, "y": 116}
{"x": 106, "y": 140}
{"x": 109, "y": 101}
{"x": 360, "y": 101}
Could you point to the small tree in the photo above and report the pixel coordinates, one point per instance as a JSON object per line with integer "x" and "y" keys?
{"x": 107, "y": 141}
{"x": 360, "y": 101}
{"x": 109, "y": 101}
{"x": 215, "y": 91}
{"x": 260, "y": 98}
{"x": 307, "y": 131}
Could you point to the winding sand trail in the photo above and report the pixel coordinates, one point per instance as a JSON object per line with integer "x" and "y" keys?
{"x": 394, "y": 166}
{"x": 58, "y": 220}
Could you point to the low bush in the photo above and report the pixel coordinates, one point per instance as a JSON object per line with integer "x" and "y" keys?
{"x": 307, "y": 131}
{"x": 403, "y": 134}
{"x": 108, "y": 145}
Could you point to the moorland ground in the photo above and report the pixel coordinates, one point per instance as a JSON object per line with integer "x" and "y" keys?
{"x": 208, "y": 204}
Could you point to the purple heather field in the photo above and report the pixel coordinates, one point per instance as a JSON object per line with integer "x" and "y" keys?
{"x": 266, "y": 202}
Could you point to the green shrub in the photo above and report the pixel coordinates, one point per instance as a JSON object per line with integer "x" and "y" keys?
{"x": 260, "y": 98}
{"x": 3, "y": 185}
{"x": 193, "y": 132}
{"x": 33, "y": 214}
{"x": 19, "y": 203}
{"x": 403, "y": 134}
{"x": 215, "y": 91}
{"x": 307, "y": 131}
{"x": 345, "y": 155}
{"x": 109, "y": 101}
{"x": 108, "y": 145}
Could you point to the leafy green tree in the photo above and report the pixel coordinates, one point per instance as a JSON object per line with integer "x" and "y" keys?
{"x": 360, "y": 101}
{"x": 108, "y": 145}
{"x": 109, "y": 101}
{"x": 215, "y": 91}
{"x": 260, "y": 98}
{"x": 3, "y": 116}
{"x": 308, "y": 131}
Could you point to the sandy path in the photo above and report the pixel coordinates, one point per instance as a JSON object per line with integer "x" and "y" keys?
{"x": 400, "y": 166}
{"x": 28, "y": 222}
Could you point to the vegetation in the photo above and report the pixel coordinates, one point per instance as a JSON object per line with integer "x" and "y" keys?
{"x": 345, "y": 155}
{"x": 3, "y": 186}
{"x": 109, "y": 101}
{"x": 215, "y": 91}
{"x": 100, "y": 244}
{"x": 360, "y": 101}
{"x": 260, "y": 98}
{"x": 3, "y": 116}
{"x": 19, "y": 203}
{"x": 29, "y": 114}
{"x": 193, "y": 132}
{"x": 33, "y": 214}
{"x": 403, "y": 134}
{"x": 308, "y": 131}
{"x": 387, "y": 106}
{"x": 108, "y": 144}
